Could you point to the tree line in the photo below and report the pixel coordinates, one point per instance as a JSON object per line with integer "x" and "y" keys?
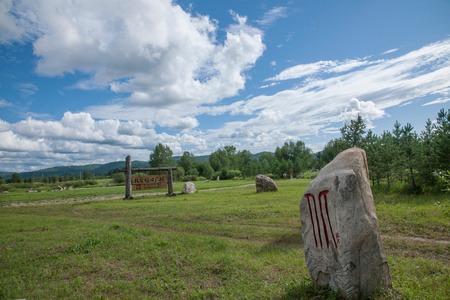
{"x": 399, "y": 155}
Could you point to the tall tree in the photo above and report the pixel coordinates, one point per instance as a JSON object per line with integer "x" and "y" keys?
{"x": 161, "y": 157}
{"x": 372, "y": 144}
{"x": 409, "y": 148}
{"x": 353, "y": 133}
{"x": 427, "y": 162}
{"x": 442, "y": 140}
{"x": 333, "y": 148}
{"x": 387, "y": 147}
{"x": 15, "y": 178}
{"x": 219, "y": 160}
{"x": 187, "y": 161}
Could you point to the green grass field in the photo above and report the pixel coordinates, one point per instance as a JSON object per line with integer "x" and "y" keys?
{"x": 214, "y": 244}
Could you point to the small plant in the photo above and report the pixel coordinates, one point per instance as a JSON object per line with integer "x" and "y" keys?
{"x": 85, "y": 247}
{"x": 306, "y": 289}
{"x": 444, "y": 179}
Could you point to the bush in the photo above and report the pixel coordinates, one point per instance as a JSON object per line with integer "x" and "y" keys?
{"x": 444, "y": 181}
{"x": 234, "y": 173}
{"x": 178, "y": 174}
{"x": 271, "y": 175}
{"x": 189, "y": 178}
{"x": 192, "y": 172}
{"x": 119, "y": 177}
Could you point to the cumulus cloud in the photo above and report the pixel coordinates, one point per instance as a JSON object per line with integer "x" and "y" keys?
{"x": 80, "y": 137}
{"x": 152, "y": 50}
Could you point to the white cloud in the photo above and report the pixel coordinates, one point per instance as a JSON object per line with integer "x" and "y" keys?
{"x": 272, "y": 15}
{"x": 78, "y": 137}
{"x": 10, "y": 28}
{"x": 390, "y": 51}
{"x": 437, "y": 101}
{"x": 27, "y": 89}
{"x": 4, "y": 103}
{"x": 152, "y": 50}
{"x": 320, "y": 104}
{"x": 316, "y": 68}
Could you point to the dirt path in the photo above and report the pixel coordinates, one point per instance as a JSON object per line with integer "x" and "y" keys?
{"x": 110, "y": 197}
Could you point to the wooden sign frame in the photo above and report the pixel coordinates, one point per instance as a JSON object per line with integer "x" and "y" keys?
{"x": 128, "y": 171}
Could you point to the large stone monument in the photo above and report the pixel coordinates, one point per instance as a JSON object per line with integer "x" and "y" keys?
{"x": 340, "y": 229}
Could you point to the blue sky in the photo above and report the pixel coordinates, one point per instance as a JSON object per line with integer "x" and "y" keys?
{"x": 94, "y": 81}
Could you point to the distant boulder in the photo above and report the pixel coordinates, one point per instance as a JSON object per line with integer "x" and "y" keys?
{"x": 188, "y": 188}
{"x": 265, "y": 184}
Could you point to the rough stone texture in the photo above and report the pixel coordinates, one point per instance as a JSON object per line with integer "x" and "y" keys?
{"x": 265, "y": 184}
{"x": 340, "y": 229}
{"x": 188, "y": 188}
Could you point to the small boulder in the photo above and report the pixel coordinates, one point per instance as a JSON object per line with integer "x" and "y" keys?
{"x": 188, "y": 188}
{"x": 265, "y": 184}
{"x": 5, "y": 192}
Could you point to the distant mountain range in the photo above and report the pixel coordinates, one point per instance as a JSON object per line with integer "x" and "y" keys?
{"x": 97, "y": 169}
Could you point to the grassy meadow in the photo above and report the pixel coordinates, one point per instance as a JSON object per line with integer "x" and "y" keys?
{"x": 213, "y": 244}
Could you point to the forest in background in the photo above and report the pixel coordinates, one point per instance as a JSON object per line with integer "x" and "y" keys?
{"x": 418, "y": 162}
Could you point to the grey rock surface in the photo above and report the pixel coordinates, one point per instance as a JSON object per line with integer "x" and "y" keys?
{"x": 342, "y": 241}
{"x": 188, "y": 188}
{"x": 265, "y": 184}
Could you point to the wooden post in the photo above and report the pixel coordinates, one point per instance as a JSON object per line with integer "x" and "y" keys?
{"x": 170, "y": 183}
{"x": 128, "y": 194}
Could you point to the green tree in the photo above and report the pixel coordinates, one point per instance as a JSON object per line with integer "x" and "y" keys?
{"x": 409, "y": 148}
{"x": 15, "y": 178}
{"x": 294, "y": 156}
{"x": 398, "y": 161}
{"x": 372, "y": 145}
{"x": 245, "y": 161}
{"x": 442, "y": 140}
{"x": 268, "y": 163}
{"x": 386, "y": 159}
{"x": 427, "y": 162}
{"x": 219, "y": 160}
{"x": 87, "y": 175}
{"x": 187, "y": 161}
{"x": 161, "y": 157}
{"x": 208, "y": 171}
{"x": 333, "y": 148}
{"x": 353, "y": 133}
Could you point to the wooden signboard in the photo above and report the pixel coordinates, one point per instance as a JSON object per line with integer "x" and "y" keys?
{"x": 149, "y": 182}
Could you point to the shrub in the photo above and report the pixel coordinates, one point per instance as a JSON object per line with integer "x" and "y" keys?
{"x": 119, "y": 177}
{"x": 192, "y": 172}
{"x": 189, "y": 178}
